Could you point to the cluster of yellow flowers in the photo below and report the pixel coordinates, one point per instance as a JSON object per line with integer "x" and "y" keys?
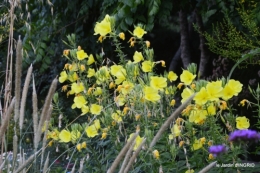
{"x": 109, "y": 95}
{"x": 129, "y": 84}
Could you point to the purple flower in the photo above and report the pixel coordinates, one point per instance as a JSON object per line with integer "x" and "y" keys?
{"x": 244, "y": 135}
{"x": 217, "y": 149}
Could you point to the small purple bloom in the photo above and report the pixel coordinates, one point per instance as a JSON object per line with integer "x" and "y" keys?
{"x": 217, "y": 149}
{"x": 244, "y": 135}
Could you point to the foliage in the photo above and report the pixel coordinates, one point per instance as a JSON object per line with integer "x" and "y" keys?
{"x": 232, "y": 41}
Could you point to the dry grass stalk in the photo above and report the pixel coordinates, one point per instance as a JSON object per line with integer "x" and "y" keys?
{"x": 6, "y": 119}
{"x": 74, "y": 167}
{"x": 29, "y": 160}
{"x": 127, "y": 156}
{"x": 81, "y": 165}
{"x": 24, "y": 96}
{"x": 46, "y": 126}
{"x": 18, "y": 75}
{"x": 122, "y": 153}
{"x": 46, "y": 164}
{"x": 208, "y": 167}
{"x": 134, "y": 156}
{"x": 35, "y": 115}
{"x": 15, "y": 149}
{"x": 45, "y": 109}
{"x": 167, "y": 123}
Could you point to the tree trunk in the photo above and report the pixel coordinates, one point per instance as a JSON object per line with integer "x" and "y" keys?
{"x": 185, "y": 44}
{"x": 204, "y": 53}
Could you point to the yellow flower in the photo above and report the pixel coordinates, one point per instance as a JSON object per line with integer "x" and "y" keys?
{"x": 235, "y": 85}
{"x": 172, "y": 76}
{"x": 81, "y": 55}
{"x": 82, "y": 67}
{"x": 181, "y": 143}
{"x": 104, "y": 135}
{"x": 65, "y": 136}
{"x": 98, "y": 91}
{"x": 210, "y": 143}
{"x": 112, "y": 85}
{"x": 203, "y": 140}
{"x": 176, "y": 130}
{"x": 147, "y": 66}
{"x": 228, "y": 92}
{"x": 202, "y": 96}
{"x": 79, "y": 102}
{"x": 172, "y": 102}
{"x": 115, "y": 69}
{"x": 156, "y": 154}
{"x": 84, "y": 110}
{"x": 122, "y": 35}
{"x": 211, "y": 109}
{"x": 137, "y": 117}
{"x": 91, "y": 131}
{"x": 197, "y": 116}
{"x": 139, "y": 32}
{"x": 79, "y": 147}
{"x": 138, "y": 57}
{"x": 158, "y": 83}
{"x": 91, "y": 59}
{"x": 215, "y": 90}
{"x": 120, "y": 100}
{"x": 147, "y": 43}
{"x": 104, "y": 27}
{"x": 187, "y": 77}
{"x": 55, "y": 135}
{"x": 138, "y": 141}
{"x": 127, "y": 87}
{"x": 102, "y": 75}
{"x": 196, "y": 145}
{"x": 186, "y": 93}
{"x": 83, "y": 145}
{"x": 95, "y": 109}
{"x": 77, "y": 88}
{"x": 91, "y": 72}
{"x": 211, "y": 157}
{"x": 73, "y": 77}
{"x": 242, "y": 123}
{"x": 97, "y": 124}
{"x": 63, "y": 77}
{"x": 121, "y": 76}
{"x": 116, "y": 117}
{"x": 151, "y": 94}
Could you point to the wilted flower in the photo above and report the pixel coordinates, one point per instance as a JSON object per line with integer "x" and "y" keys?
{"x": 217, "y": 149}
{"x": 121, "y": 35}
{"x": 156, "y": 154}
{"x": 244, "y": 135}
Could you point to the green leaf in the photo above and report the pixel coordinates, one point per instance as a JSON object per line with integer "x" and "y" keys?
{"x": 129, "y": 20}
{"x": 43, "y": 45}
{"x": 38, "y": 57}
